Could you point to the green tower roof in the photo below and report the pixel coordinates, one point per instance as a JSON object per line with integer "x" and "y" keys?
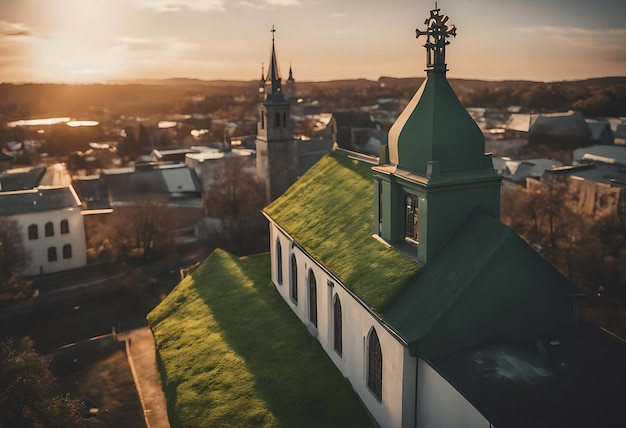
{"x": 435, "y": 126}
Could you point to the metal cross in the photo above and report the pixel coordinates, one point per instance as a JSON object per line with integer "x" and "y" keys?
{"x": 437, "y": 33}
{"x": 273, "y": 30}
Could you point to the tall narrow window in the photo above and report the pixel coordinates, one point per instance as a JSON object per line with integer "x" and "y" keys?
{"x": 411, "y": 217}
{"x": 33, "y": 232}
{"x": 337, "y": 326}
{"x": 277, "y": 120}
{"x": 67, "y": 251}
{"x": 375, "y": 365}
{"x": 49, "y": 229}
{"x": 262, "y": 120}
{"x": 293, "y": 290}
{"x": 285, "y": 119}
{"x": 65, "y": 227}
{"x": 52, "y": 254}
{"x": 279, "y": 263}
{"x": 312, "y": 298}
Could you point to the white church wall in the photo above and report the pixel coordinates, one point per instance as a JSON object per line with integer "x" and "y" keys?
{"x": 39, "y": 247}
{"x": 440, "y": 405}
{"x": 396, "y": 409}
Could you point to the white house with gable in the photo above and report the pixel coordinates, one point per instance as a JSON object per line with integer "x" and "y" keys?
{"x": 52, "y": 227}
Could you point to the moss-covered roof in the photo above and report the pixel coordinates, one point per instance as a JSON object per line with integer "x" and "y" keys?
{"x": 329, "y": 213}
{"x": 230, "y": 364}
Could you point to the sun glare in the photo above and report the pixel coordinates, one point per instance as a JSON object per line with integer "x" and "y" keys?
{"x": 76, "y": 49}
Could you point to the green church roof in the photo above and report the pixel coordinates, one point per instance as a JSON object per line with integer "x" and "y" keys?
{"x": 436, "y": 127}
{"x": 329, "y": 214}
{"x": 485, "y": 283}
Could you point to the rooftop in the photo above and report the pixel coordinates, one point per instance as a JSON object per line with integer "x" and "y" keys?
{"x": 329, "y": 213}
{"x": 38, "y": 200}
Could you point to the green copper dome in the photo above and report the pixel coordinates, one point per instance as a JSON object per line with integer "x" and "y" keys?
{"x": 436, "y": 127}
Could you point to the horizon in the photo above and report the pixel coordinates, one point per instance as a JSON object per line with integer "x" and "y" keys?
{"x": 72, "y": 42}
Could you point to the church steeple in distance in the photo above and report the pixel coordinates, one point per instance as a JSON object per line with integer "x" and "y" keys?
{"x": 273, "y": 74}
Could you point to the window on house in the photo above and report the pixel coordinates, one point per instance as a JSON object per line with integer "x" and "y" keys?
{"x": 67, "y": 251}
{"x": 52, "y": 254}
{"x": 293, "y": 290}
{"x": 277, "y": 120}
{"x": 279, "y": 263}
{"x": 312, "y": 298}
{"x": 33, "y": 232}
{"x": 262, "y": 120}
{"x": 375, "y": 365}
{"x": 284, "y": 119}
{"x": 49, "y": 229}
{"x": 65, "y": 227}
{"x": 337, "y": 326}
{"x": 411, "y": 217}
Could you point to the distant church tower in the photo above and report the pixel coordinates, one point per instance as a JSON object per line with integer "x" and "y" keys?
{"x": 290, "y": 86}
{"x": 434, "y": 170}
{"x": 276, "y": 150}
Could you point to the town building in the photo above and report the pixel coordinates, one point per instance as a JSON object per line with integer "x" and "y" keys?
{"x": 276, "y": 149}
{"x": 436, "y": 313}
{"x": 52, "y": 227}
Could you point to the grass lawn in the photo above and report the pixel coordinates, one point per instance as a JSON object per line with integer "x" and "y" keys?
{"x": 329, "y": 211}
{"x": 234, "y": 355}
{"x": 98, "y": 372}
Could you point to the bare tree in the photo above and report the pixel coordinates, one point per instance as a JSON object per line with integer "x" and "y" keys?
{"x": 14, "y": 258}
{"x": 236, "y": 199}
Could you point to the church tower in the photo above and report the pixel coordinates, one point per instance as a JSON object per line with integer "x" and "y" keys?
{"x": 434, "y": 171}
{"x": 276, "y": 150}
{"x": 290, "y": 86}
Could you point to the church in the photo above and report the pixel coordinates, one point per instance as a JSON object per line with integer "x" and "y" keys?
{"x": 436, "y": 313}
{"x": 398, "y": 266}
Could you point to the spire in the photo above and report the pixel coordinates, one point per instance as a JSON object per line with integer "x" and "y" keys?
{"x": 290, "y": 78}
{"x": 273, "y": 72}
{"x": 262, "y": 82}
{"x": 435, "y": 127}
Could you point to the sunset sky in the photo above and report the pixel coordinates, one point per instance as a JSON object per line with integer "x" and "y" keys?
{"x": 103, "y": 40}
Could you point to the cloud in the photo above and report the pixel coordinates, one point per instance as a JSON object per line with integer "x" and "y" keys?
{"x": 607, "y": 43}
{"x": 267, "y": 4}
{"x": 178, "y": 5}
{"x": 13, "y": 29}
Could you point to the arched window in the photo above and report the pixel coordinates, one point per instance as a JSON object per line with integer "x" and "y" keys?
{"x": 337, "y": 326}
{"x": 33, "y": 232}
{"x": 312, "y": 298}
{"x": 52, "y": 254}
{"x": 293, "y": 282}
{"x": 279, "y": 263}
{"x": 277, "y": 120}
{"x": 65, "y": 227}
{"x": 67, "y": 251}
{"x": 375, "y": 365}
{"x": 410, "y": 230}
{"x": 49, "y": 229}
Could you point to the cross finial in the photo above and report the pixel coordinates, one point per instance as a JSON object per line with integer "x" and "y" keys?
{"x": 437, "y": 32}
{"x": 273, "y": 30}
